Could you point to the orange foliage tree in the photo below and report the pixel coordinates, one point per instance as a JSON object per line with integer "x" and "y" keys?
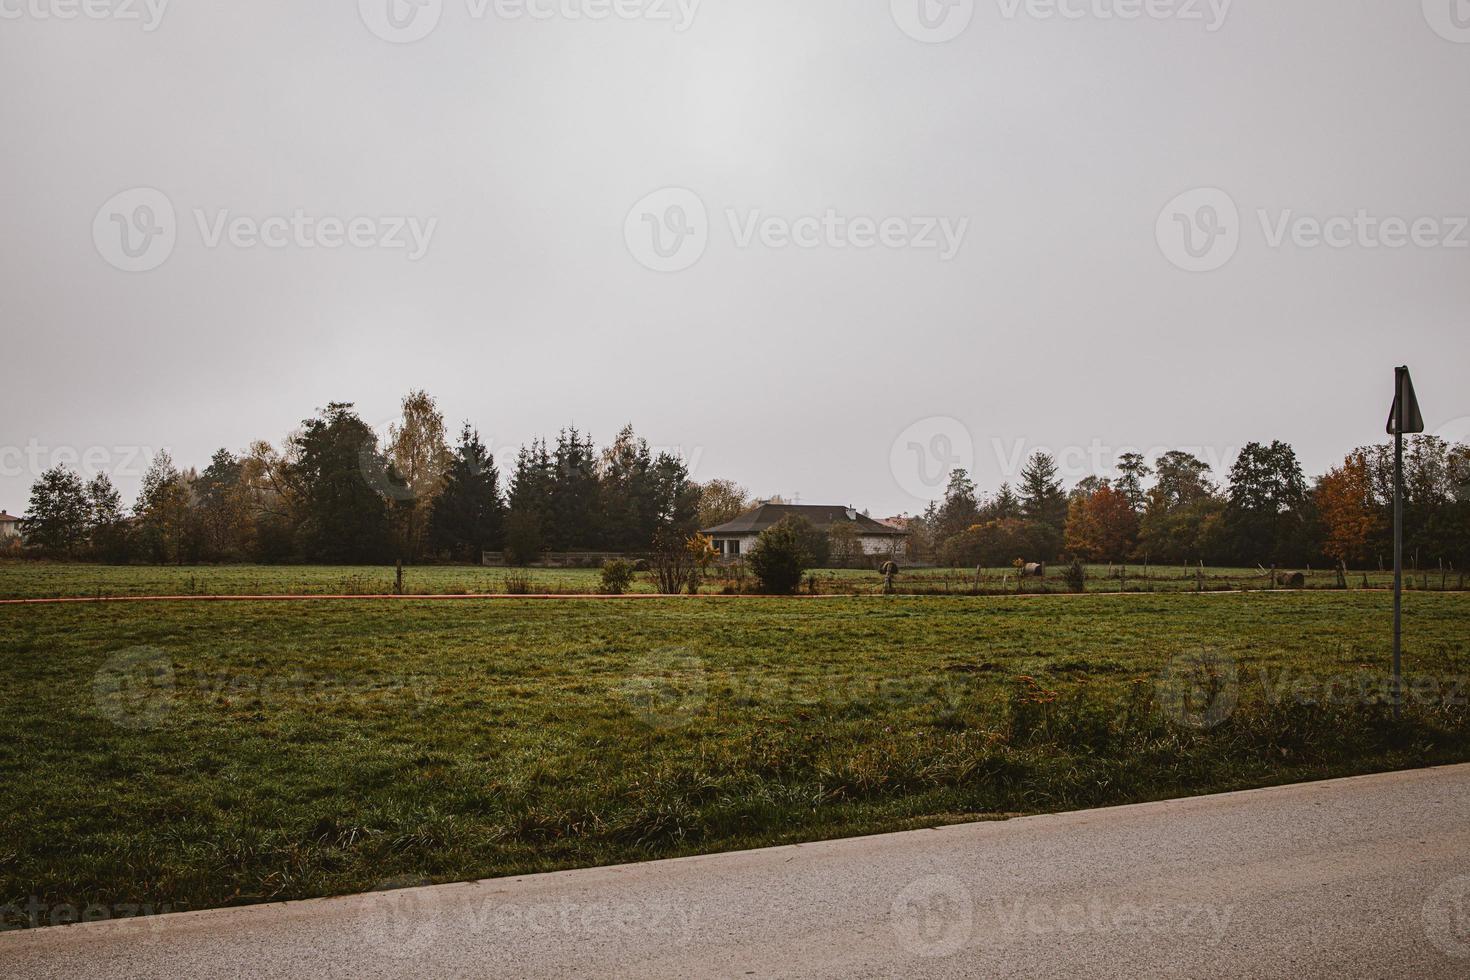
{"x": 1345, "y": 502}
{"x": 1101, "y": 525}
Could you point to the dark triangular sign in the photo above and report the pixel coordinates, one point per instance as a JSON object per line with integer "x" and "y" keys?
{"x": 1404, "y": 417}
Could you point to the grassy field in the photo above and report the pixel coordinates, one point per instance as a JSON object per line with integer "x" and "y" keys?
{"x": 189, "y": 756}
{"x": 20, "y": 580}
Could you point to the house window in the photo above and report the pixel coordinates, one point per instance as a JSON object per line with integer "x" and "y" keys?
{"x": 734, "y": 551}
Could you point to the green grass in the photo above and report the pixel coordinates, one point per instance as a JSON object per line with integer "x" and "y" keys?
{"x": 218, "y": 754}
{"x": 22, "y": 580}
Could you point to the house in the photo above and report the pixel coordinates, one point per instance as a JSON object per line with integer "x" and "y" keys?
{"x": 875, "y": 538}
{"x": 9, "y": 527}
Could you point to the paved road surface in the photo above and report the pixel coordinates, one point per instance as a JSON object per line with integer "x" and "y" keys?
{"x": 1365, "y": 877}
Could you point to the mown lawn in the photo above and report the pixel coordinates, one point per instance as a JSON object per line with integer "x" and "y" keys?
{"x": 31, "y": 580}
{"x": 203, "y": 755}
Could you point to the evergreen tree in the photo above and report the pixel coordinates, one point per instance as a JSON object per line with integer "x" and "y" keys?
{"x": 107, "y": 524}
{"x": 59, "y": 514}
{"x": 573, "y": 504}
{"x": 346, "y": 517}
{"x": 468, "y": 517}
{"x": 162, "y": 511}
{"x": 530, "y": 502}
{"x": 960, "y": 509}
{"x": 1042, "y": 499}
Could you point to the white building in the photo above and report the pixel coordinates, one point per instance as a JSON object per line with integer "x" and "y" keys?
{"x": 876, "y": 539}
{"x": 9, "y": 527}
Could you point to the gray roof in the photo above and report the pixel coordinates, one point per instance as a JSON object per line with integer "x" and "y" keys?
{"x": 766, "y": 515}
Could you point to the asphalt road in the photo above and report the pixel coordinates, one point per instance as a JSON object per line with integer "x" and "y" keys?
{"x": 1364, "y": 877}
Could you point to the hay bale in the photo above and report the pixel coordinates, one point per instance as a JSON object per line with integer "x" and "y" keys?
{"x": 1035, "y": 570}
{"x": 1291, "y": 580}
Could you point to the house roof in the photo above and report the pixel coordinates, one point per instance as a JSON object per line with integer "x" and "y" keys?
{"x": 8, "y": 518}
{"x": 766, "y": 515}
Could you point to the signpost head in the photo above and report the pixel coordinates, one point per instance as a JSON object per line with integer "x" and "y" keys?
{"x": 1404, "y": 418}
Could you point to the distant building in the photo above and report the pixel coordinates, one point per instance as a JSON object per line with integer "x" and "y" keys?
{"x": 737, "y": 537}
{"x": 9, "y": 527}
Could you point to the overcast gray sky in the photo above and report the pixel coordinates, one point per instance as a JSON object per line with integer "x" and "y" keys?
{"x": 825, "y": 247}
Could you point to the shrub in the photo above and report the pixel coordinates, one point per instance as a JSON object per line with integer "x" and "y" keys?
{"x": 517, "y": 583}
{"x": 617, "y": 576}
{"x": 1076, "y": 576}
{"x": 779, "y": 557}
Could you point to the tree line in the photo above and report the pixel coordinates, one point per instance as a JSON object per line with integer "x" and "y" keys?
{"x": 333, "y": 492}
{"x": 1266, "y": 512}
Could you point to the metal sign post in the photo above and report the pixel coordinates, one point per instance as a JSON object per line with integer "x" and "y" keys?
{"x": 1403, "y": 418}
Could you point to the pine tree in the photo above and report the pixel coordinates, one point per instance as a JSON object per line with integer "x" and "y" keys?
{"x": 107, "y": 525}
{"x": 346, "y": 515}
{"x": 58, "y": 516}
{"x": 1042, "y": 499}
{"x": 468, "y": 517}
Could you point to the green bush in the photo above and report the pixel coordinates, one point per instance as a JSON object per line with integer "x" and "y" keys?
{"x": 780, "y": 556}
{"x": 617, "y": 576}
